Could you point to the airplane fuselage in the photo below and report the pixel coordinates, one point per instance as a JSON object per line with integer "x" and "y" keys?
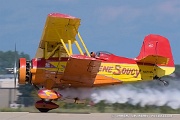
{"x": 109, "y": 73}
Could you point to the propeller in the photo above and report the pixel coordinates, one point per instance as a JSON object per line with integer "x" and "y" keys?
{"x": 15, "y": 71}
{"x": 15, "y": 66}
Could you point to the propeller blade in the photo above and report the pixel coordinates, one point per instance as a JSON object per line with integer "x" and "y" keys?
{"x": 15, "y": 66}
{"x": 15, "y": 71}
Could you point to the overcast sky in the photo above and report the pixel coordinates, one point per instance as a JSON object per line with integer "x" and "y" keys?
{"x": 117, "y": 26}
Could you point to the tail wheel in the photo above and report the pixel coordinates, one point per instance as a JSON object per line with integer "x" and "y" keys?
{"x": 24, "y": 71}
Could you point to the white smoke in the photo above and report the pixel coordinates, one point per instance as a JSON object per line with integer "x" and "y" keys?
{"x": 142, "y": 93}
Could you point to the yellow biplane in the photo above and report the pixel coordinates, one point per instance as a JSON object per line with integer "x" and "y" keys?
{"x": 56, "y": 66}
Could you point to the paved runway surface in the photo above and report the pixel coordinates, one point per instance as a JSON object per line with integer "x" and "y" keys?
{"x": 91, "y": 116}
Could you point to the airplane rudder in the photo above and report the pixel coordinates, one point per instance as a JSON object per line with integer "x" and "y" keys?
{"x": 156, "y": 45}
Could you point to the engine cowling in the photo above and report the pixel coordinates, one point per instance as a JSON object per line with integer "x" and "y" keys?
{"x": 24, "y": 74}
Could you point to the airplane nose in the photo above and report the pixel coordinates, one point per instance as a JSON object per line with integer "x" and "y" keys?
{"x": 24, "y": 71}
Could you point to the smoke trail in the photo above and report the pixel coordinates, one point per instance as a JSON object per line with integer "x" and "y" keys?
{"x": 143, "y": 93}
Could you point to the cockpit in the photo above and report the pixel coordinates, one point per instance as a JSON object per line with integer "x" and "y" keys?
{"x": 103, "y": 55}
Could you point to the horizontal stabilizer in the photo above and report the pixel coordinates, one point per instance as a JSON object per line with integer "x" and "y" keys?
{"x": 154, "y": 59}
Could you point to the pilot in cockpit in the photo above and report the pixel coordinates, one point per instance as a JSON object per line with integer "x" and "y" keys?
{"x": 93, "y": 54}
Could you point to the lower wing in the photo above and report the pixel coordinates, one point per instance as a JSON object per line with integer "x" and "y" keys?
{"x": 80, "y": 70}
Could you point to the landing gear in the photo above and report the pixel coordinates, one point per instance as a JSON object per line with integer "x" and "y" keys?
{"x": 166, "y": 83}
{"x": 45, "y": 106}
{"x": 43, "y": 110}
{"x": 47, "y": 96}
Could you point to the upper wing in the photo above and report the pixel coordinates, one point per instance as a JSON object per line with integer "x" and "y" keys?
{"x": 57, "y": 27}
{"x": 81, "y": 70}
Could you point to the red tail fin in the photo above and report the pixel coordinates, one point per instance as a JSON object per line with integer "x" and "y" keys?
{"x": 156, "y": 50}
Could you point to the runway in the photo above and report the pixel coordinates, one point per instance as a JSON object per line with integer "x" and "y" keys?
{"x": 86, "y": 116}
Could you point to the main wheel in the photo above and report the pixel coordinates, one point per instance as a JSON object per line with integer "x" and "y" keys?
{"x": 44, "y": 110}
{"x": 44, "y": 106}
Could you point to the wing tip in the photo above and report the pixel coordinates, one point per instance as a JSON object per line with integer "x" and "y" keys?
{"x": 60, "y": 15}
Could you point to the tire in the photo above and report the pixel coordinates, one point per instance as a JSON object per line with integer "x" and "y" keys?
{"x": 43, "y": 110}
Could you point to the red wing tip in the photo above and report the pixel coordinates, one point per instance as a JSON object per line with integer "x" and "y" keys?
{"x": 60, "y": 15}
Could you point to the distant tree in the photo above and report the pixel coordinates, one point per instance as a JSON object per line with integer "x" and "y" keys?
{"x": 101, "y": 106}
{"x": 177, "y": 70}
{"x": 27, "y": 95}
{"x": 7, "y": 59}
{"x": 22, "y": 54}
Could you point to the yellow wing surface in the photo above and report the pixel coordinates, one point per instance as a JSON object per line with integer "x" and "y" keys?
{"x": 59, "y": 30}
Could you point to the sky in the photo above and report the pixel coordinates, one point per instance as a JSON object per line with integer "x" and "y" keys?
{"x": 117, "y": 26}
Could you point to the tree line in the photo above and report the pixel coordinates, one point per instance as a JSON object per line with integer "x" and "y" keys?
{"x": 8, "y": 58}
